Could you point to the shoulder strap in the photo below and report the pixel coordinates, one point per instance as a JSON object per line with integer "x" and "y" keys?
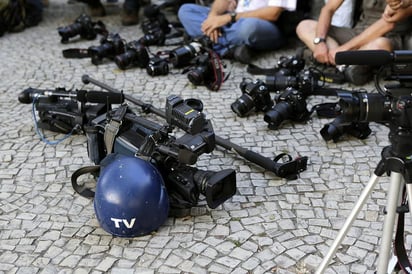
{"x": 81, "y": 189}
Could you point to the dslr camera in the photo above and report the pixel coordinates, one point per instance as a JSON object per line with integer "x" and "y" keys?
{"x": 255, "y": 97}
{"x": 83, "y": 26}
{"x": 290, "y": 105}
{"x": 157, "y": 66}
{"x": 109, "y": 47}
{"x": 183, "y": 56}
{"x": 135, "y": 55}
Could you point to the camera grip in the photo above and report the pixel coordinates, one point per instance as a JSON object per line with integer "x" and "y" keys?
{"x": 288, "y": 170}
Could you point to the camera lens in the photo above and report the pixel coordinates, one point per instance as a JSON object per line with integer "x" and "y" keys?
{"x": 124, "y": 60}
{"x": 182, "y": 56}
{"x": 280, "y": 82}
{"x": 154, "y": 69}
{"x": 197, "y": 76}
{"x": 280, "y": 112}
{"x": 333, "y": 130}
{"x": 243, "y": 105}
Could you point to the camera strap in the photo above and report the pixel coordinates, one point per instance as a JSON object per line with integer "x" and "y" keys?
{"x": 399, "y": 245}
{"x": 76, "y": 53}
{"x": 217, "y": 71}
{"x": 112, "y": 127}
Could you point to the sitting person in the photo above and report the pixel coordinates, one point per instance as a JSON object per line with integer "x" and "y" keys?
{"x": 371, "y": 32}
{"x": 237, "y": 29}
{"x": 130, "y": 13}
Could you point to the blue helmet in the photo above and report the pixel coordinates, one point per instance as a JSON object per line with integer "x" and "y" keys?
{"x": 130, "y": 199}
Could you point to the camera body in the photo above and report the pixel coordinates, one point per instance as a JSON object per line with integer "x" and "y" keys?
{"x": 255, "y": 96}
{"x": 135, "y": 55}
{"x": 109, "y": 47}
{"x": 82, "y": 26}
{"x": 157, "y": 66}
{"x": 155, "y": 37}
{"x": 290, "y": 105}
{"x": 202, "y": 72}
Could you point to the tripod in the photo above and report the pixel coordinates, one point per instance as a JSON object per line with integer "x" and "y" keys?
{"x": 396, "y": 161}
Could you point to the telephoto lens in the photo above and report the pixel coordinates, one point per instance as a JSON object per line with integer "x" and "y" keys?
{"x": 182, "y": 56}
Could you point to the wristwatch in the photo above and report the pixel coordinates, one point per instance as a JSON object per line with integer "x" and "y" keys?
{"x": 318, "y": 40}
{"x": 233, "y": 15}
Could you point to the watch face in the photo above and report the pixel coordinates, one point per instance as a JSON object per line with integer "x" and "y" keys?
{"x": 318, "y": 40}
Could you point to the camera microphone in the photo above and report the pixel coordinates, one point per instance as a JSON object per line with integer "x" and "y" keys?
{"x": 100, "y": 97}
{"x": 373, "y": 57}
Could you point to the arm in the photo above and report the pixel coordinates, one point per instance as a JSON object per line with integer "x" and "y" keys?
{"x": 320, "y": 51}
{"x": 393, "y": 16}
{"x": 374, "y": 31}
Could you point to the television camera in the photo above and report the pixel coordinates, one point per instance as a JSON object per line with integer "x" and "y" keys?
{"x": 391, "y": 106}
{"x": 119, "y": 130}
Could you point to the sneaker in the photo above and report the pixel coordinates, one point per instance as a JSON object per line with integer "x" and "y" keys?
{"x": 358, "y": 74}
{"x": 243, "y": 54}
{"x": 130, "y": 18}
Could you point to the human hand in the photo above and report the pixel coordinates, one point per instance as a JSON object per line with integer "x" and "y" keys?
{"x": 392, "y": 16}
{"x": 320, "y": 53}
{"x": 332, "y": 54}
{"x": 211, "y": 26}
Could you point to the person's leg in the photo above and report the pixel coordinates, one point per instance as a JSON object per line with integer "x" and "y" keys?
{"x": 192, "y": 16}
{"x": 130, "y": 13}
{"x": 255, "y": 33}
{"x": 95, "y": 7}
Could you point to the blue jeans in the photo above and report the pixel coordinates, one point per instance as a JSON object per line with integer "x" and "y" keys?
{"x": 256, "y": 33}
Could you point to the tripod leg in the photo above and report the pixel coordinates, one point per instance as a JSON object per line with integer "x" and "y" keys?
{"x": 344, "y": 230}
{"x": 389, "y": 223}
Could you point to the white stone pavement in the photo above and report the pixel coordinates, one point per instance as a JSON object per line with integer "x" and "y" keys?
{"x": 271, "y": 225}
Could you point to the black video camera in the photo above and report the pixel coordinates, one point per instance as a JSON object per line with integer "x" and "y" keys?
{"x": 391, "y": 106}
{"x": 83, "y": 26}
{"x": 255, "y": 97}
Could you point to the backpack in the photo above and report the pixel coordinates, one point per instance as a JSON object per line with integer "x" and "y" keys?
{"x": 16, "y": 15}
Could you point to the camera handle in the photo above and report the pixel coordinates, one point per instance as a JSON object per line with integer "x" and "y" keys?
{"x": 400, "y": 169}
{"x": 288, "y": 170}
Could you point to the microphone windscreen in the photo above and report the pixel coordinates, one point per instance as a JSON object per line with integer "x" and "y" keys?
{"x": 364, "y": 57}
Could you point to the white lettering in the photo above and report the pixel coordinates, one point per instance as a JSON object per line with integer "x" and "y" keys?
{"x": 126, "y": 223}
{"x": 117, "y": 222}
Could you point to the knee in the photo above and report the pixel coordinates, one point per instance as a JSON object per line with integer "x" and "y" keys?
{"x": 305, "y": 28}
{"x": 381, "y": 43}
{"x": 184, "y": 10}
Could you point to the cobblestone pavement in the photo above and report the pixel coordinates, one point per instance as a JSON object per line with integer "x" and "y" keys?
{"x": 271, "y": 225}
